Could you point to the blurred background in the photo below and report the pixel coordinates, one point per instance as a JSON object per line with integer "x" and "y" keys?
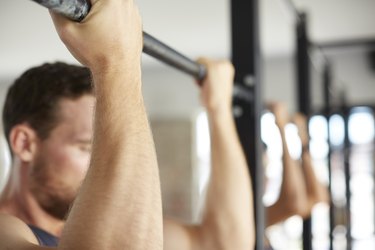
{"x": 344, "y": 28}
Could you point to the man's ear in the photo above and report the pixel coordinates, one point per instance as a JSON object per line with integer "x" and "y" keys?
{"x": 23, "y": 142}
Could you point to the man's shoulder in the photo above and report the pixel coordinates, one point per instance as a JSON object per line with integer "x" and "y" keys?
{"x": 13, "y": 232}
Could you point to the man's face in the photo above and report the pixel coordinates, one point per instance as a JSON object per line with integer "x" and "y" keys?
{"x": 63, "y": 158}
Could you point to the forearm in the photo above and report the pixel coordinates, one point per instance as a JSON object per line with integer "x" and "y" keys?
{"x": 278, "y": 212}
{"x": 290, "y": 178}
{"x": 315, "y": 190}
{"x": 293, "y": 194}
{"x": 119, "y": 205}
{"x": 229, "y": 208}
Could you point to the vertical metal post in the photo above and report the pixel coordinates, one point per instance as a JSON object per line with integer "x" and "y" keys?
{"x": 303, "y": 95}
{"x": 303, "y": 66}
{"x": 328, "y": 113}
{"x": 373, "y": 157}
{"x": 347, "y": 152}
{"x": 246, "y": 60}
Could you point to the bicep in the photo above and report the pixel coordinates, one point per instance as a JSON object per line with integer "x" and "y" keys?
{"x": 15, "y": 234}
{"x": 179, "y": 236}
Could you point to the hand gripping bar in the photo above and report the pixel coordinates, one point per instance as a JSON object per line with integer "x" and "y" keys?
{"x": 77, "y": 10}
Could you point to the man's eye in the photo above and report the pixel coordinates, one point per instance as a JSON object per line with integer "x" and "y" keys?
{"x": 85, "y": 148}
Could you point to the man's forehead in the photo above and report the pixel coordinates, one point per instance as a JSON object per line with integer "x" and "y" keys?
{"x": 80, "y": 104}
{"x": 76, "y": 113}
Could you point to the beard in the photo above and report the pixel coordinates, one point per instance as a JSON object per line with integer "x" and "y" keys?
{"x": 55, "y": 206}
{"x": 51, "y": 193}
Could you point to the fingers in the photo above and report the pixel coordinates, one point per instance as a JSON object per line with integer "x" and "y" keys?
{"x": 62, "y": 25}
{"x": 301, "y": 121}
{"x": 299, "y": 118}
{"x": 280, "y": 111}
{"x": 110, "y": 35}
{"x": 203, "y": 60}
{"x": 277, "y": 106}
{"x": 214, "y": 64}
{"x": 216, "y": 88}
{"x": 58, "y": 19}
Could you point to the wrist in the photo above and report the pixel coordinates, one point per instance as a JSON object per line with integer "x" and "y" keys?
{"x": 219, "y": 112}
{"x": 305, "y": 148}
{"x": 108, "y": 67}
{"x": 116, "y": 70}
{"x": 281, "y": 123}
{"x": 117, "y": 82}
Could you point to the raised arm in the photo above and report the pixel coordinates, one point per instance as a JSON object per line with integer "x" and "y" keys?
{"x": 316, "y": 191}
{"x": 293, "y": 195}
{"x": 228, "y": 221}
{"x": 119, "y": 203}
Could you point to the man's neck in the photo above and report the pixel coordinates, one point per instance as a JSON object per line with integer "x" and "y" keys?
{"x": 21, "y": 203}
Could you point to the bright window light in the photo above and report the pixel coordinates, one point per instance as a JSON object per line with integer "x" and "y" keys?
{"x": 318, "y": 127}
{"x": 361, "y": 126}
{"x": 318, "y": 137}
{"x": 203, "y": 136}
{"x": 337, "y": 130}
{"x": 318, "y": 148}
{"x": 270, "y": 135}
{"x": 203, "y": 150}
{"x": 293, "y": 141}
{"x": 5, "y": 161}
{"x": 362, "y": 213}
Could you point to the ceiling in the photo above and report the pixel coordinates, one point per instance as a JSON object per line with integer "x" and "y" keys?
{"x": 194, "y": 27}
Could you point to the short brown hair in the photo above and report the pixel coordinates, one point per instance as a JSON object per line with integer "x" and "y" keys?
{"x": 33, "y": 98}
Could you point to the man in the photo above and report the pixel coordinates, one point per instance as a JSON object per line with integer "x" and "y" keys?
{"x": 293, "y": 194}
{"x": 317, "y": 192}
{"x": 227, "y": 223}
{"x": 118, "y": 205}
{"x": 300, "y": 189}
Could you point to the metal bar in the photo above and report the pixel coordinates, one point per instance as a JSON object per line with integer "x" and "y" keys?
{"x": 166, "y": 54}
{"x": 328, "y": 112}
{"x": 246, "y": 60}
{"x": 77, "y": 10}
{"x": 361, "y": 42}
{"x": 303, "y": 96}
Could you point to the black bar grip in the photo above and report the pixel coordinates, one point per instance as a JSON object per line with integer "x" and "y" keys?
{"x": 161, "y": 51}
{"x": 77, "y": 10}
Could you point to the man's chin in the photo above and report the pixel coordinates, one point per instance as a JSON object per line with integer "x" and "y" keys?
{"x": 58, "y": 209}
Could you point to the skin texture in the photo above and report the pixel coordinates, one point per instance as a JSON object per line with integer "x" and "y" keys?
{"x": 122, "y": 145}
{"x": 293, "y": 194}
{"x": 316, "y": 191}
{"x": 300, "y": 189}
{"x": 49, "y": 184}
{"x": 228, "y": 221}
{"x": 121, "y": 189}
{"x": 62, "y": 162}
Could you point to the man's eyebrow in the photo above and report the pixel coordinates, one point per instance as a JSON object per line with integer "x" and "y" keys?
{"x": 81, "y": 140}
